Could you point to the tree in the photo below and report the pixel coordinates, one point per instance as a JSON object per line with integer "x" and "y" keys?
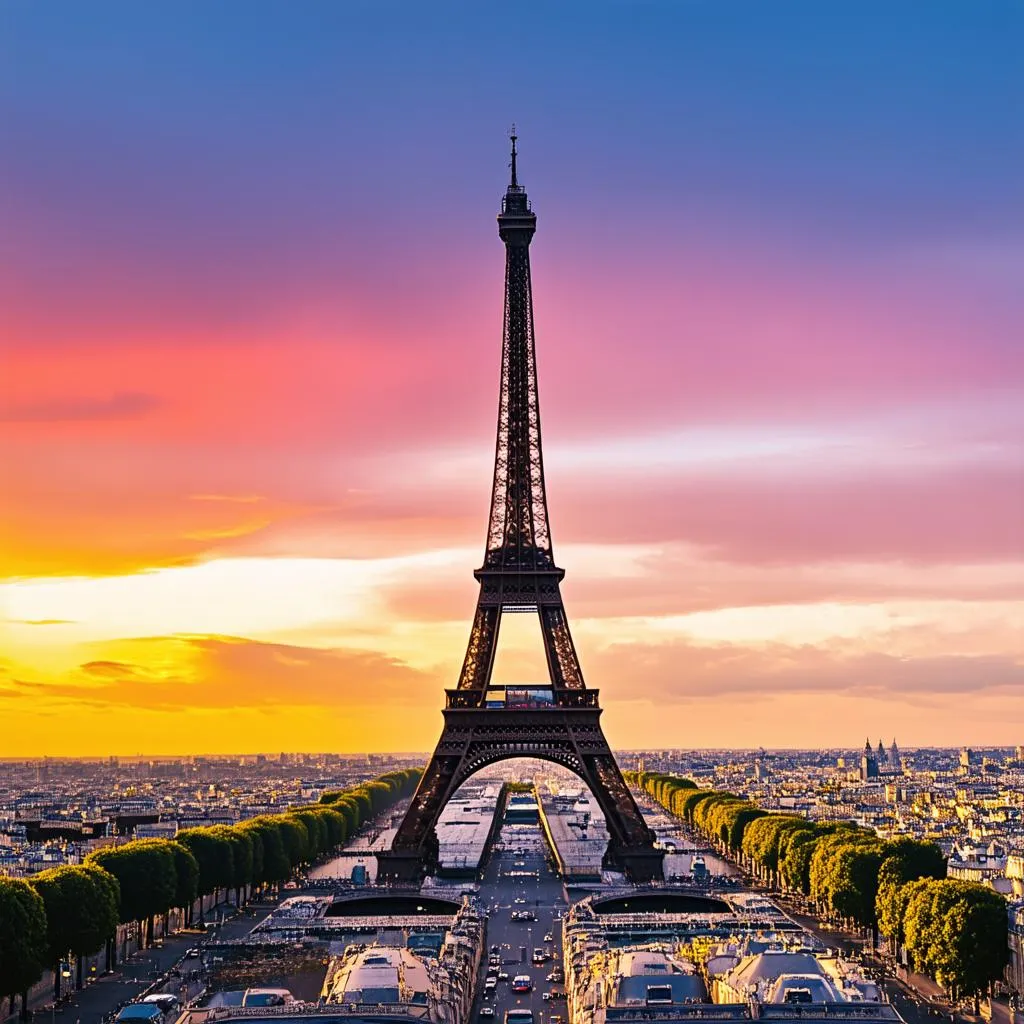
{"x": 214, "y": 856}
{"x": 349, "y": 809}
{"x": 255, "y": 834}
{"x": 956, "y": 931}
{"x": 241, "y": 857}
{"x": 23, "y": 942}
{"x": 314, "y": 830}
{"x": 763, "y": 839}
{"x": 795, "y": 868}
{"x": 923, "y": 926}
{"x": 80, "y": 915}
{"x": 907, "y": 860}
{"x": 106, "y": 881}
{"x": 295, "y": 839}
{"x": 364, "y": 808}
{"x": 975, "y": 930}
{"x": 855, "y": 886}
{"x": 276, "y": 865}
{"x": 186, "y": 877}
{"x": 844, "y": 874}
{"x": 145, "y": 870}
{"x": 334, "y": 828}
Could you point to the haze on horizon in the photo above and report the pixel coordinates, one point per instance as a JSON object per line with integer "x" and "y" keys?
{"x": 249, "y": 341}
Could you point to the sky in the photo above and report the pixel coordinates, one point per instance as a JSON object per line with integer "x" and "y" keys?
{"x": 250, "y": 329}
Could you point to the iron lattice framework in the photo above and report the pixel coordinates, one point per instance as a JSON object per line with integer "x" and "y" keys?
{"x": 519, "y": 575}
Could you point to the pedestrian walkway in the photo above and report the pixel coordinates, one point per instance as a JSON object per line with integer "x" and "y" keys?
{"x": 144, "y": 970}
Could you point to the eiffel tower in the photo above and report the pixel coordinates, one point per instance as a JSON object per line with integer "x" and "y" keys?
{"x": 556, "y": 721}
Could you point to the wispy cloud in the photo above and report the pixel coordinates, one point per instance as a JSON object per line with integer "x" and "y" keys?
{"x": 124, "y": 405}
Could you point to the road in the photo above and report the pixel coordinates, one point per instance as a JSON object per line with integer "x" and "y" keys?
{"x": 545, "y": 896}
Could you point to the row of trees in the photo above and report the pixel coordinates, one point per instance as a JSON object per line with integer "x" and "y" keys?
{"x": 954, "y": 931}
{"x": 71, "y": 912}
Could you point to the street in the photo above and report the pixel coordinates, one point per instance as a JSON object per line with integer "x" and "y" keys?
{"x": 507, "y": 881}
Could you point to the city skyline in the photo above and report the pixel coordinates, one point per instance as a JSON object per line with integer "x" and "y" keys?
{"x": 253, "y": 320}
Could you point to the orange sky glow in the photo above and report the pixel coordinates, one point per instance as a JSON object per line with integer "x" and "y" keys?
{"x": 250, "y": 330}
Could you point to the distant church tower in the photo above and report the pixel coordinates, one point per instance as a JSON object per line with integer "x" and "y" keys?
{"x": 894, "y": 755}
{"x": 868, "y": 764}
{"x": 881, "y": 756}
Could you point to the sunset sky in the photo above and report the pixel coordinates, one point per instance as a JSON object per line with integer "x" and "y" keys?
{"x": 250, "y": 327}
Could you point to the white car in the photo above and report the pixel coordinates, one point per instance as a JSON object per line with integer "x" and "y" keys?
{"x": 549, "y": 937}
{"x": 486, "y": 1011}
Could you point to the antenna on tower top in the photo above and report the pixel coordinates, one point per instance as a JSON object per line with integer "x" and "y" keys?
{"x": 513, "y": 136}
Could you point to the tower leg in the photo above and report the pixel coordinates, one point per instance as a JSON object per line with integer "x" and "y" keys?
{"x": 476, "y": 737}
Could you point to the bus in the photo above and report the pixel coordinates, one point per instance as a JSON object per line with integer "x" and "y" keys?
{"x": 521, "y": 983}
{"x": 518, "y": 1016}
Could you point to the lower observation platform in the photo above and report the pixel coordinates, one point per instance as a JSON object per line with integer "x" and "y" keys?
{"x": 521, "y": 697}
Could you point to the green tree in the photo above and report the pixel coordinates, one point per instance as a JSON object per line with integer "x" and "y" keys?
{"x": 23, "y": 939}
{"x": 255, "y": 835}
{"x": 975, "y": 930}
{"x": 144, "y": 869}
{"x": 214, "y": 855}
{"x": 186, "y": 877}
{"x": 241, "y": 857}
{"x": 276, "y": 864}
{"x": 295, "y": 840}
{"x": 956, "y": 931}
{"x": 763, "y": 838}
{"x": 364, "y": 807}
{"x": 795, "y": 868}
{"x": 923, "y": 929}
{"x": 80, "y": 915}
{"x": 106, "y": 881}
{"x": 907, "y": 860}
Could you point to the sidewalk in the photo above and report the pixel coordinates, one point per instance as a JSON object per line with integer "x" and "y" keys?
{"x": 144, "y": 970}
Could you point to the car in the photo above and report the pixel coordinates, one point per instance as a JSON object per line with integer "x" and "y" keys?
{"x": 520, "y": 864}
{"x": 519, "y": 899}
{"x": 522, "y": 983}
{"x": 545, "y": 996}
{"x": 495, "y": 948}
{"x": 492, "y": 971}
{"x": 549, "y": 937}
{"x": 503, "y": 976}
{"x": 486, "y": 1011}
{"x": 555, "y": 976}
